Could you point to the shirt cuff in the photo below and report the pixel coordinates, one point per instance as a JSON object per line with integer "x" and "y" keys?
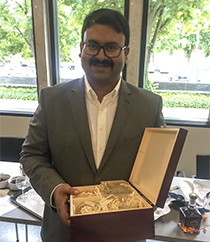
{"x": 52, "y": 202}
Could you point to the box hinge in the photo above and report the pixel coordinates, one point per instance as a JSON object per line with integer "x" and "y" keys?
{"x": 142, "y": 195}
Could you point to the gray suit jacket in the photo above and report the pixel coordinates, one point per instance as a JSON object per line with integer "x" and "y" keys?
{"x": 58, "y": 146}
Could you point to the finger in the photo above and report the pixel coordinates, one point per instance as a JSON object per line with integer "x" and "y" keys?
{"x": 73, "y": 191}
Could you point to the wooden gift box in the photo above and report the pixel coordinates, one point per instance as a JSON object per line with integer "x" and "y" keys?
{"x": 120, "y": 211}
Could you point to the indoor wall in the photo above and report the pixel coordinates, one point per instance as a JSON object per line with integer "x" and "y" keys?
{"x": 197, "y": 141}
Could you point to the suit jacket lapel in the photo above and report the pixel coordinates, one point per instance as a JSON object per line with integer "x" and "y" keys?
{"x": 121, "y": 116}
{"x": 78, "y": 107}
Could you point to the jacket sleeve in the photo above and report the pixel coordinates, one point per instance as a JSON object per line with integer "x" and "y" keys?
{"x": 36, "y": 155}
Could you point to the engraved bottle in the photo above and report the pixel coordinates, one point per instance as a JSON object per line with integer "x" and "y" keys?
{"x": 190, "y": 217}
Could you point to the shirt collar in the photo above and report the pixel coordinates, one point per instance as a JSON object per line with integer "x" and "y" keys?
{"x": 91, "y": 94}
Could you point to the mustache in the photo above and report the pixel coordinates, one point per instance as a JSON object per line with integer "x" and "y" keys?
{"x": 106, "y": 63}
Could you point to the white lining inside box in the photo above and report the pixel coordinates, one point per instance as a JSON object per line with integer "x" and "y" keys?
{"x": 148, "y": 172}
{"x": 109, "y": 196}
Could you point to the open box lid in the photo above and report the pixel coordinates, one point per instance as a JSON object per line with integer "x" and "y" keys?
{"x": 156, "y": 162}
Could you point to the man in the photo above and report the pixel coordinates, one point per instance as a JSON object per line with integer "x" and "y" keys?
{"x": 89, "y": 129}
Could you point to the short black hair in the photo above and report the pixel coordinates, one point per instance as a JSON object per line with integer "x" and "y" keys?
{"x": 110, "y": 17}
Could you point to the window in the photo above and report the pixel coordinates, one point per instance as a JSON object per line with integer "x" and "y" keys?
{"x": 176, "y": 64}
{"x": 18, "y": 84}
{"x": 178, "y": 58}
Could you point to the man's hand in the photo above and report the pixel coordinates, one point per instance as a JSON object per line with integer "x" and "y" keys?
{"x": 61, "y": 197}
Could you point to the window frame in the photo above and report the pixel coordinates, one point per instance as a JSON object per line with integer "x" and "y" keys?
{"x": 54, "y": 41}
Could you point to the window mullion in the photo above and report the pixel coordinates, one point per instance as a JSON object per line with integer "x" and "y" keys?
{"x": 41, "y": 42}
{"x": 135, "y": 13}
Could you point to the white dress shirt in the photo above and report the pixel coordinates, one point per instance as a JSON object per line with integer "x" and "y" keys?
{"x": 100, "y": 118}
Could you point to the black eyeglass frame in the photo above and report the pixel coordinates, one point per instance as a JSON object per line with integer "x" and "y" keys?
{"x": 102, "y": 47}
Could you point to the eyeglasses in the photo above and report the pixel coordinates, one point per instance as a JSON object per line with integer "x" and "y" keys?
{"x": 111, "y": 50}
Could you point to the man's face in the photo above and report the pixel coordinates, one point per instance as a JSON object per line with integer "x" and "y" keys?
{"x": 100, "y": 69}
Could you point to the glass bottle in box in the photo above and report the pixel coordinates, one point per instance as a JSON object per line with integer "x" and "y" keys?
{"x": 190, "y": 217}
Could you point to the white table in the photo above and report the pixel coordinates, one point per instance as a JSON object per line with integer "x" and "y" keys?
{"x": 10, "y": 212}
{"x": 166, "y": 228}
